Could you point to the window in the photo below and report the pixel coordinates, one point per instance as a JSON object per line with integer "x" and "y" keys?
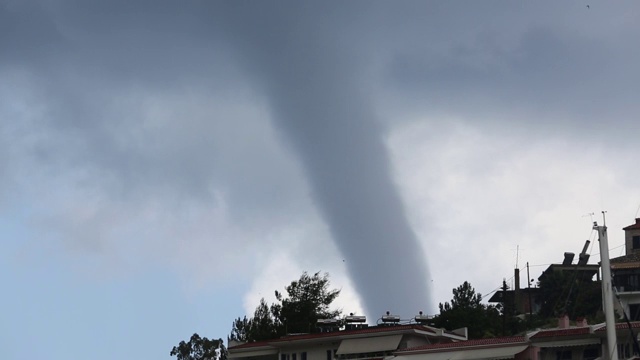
{"x": 283, "y": 356}
{"x": 563, "y": 355}
{"x": 636, "y": 241}
{"x": 590, "y": 353}
{"x": 331, "y": 354}
{"x": 634, "y": 312}
{"x": 634, "y": 282}
{"x": 294, "y": 356}
{"x": 303, "y": 355}
{"x": 624, "y": 351}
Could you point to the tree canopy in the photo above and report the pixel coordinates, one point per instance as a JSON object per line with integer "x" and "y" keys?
{"x": 561, "y": 293}
{"x": 569, "y": 293}
{"x": 307, "y": 300}
{"x": 199, "y": 348}
{"x": 466, "y": 310}
{"x": 261, "y": 326}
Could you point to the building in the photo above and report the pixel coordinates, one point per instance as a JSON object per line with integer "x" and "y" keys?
{"x": 362, "y": 343}
{"x": 527, "y": 300}
{"x": 417, "y": 342}
{"x": 513, "y": 347}
{"x": 626, "y": 273}
{"x": 580, "y": 270}
{"x": 521, "y": 300}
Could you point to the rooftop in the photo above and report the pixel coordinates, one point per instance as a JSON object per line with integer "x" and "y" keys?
{"x": 469, "y": 343}
{"x": 634, "y": 226}
{"x": 626, "y": 261}
{"x": 546, "y": 333}
{"x": 339, "y": 335}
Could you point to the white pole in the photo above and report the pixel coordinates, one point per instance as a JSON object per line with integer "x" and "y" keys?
{"x": 607, "y": 293}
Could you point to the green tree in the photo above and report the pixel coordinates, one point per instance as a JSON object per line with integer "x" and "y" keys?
{"x": 569, "y": 293}
{"x": 307, "y": 300}
{"x": 199, "y": 348}
{"x": 466, "y": 310}
{"x": 241, "y": 329}
{"x": 261, "y": 326}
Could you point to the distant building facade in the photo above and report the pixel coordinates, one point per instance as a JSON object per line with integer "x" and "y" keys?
{"x": 626, "y": 273}
{"x": 416, "y": 342}
{"x": 364, "y": 343}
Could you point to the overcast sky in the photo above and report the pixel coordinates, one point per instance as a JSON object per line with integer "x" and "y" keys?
{"x": 164, "y": 165}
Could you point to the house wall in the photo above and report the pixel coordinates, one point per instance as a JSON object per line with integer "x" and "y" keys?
{"x": 412, "y": 341}
{"x": 625, "y": 349}
{"x": 314, "y": 352}
{"x": 531, "y": 353}
{"x": 587, "y": 352}
{"x": 628, "y": 240}
{"x": 627, "y": 299}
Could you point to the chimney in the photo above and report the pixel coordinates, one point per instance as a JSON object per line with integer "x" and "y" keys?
{"x": 563, "y": 322}
{"x": 582, "y": 322}
{"x": 584, "y": 257}
{"x": 568, "y": 258}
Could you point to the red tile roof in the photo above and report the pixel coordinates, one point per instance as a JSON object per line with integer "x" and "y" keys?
{"x": 622, "y": 326}
{"x": 634, "y": 226}
{"x": 469, "y": 343}
{"x": 561, "y": 332}
{"x": 626, "y": 261}
{"x": 580, "y": 330}
{"x": 336, "y": 334}
{"x": 626, "y": 258}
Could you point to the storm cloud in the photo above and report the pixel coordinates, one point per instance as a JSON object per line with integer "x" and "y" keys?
{"x": 209, "y": 151}
{"x": 320, "y": 100}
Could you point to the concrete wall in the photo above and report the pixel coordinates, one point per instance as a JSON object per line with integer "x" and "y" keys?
{"x": 568, "y": 352}
{"x": 314, "y": 352}
{"x": 628, "y": 242}
{"x": 531, "y": 353}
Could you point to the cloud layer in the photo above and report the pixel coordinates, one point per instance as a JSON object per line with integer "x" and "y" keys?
{"x": 402, "y": 147}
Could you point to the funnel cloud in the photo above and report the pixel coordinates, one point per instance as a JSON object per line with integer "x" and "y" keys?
{"x": 347, "y": 166}
{"x": 320, "y": 104}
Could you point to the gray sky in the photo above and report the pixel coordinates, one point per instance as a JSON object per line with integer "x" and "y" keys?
{"x": 166, "y": 165}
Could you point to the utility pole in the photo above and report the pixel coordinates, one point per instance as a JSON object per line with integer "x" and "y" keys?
{"x": 607, "y": 294}
{"x": 529, "y": 291}
{"x": 504, "y": 308}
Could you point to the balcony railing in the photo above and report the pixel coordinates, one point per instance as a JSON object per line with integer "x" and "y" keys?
{"x": 627, "y": 288}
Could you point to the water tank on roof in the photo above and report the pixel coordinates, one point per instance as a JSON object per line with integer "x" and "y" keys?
{"x": 388, "y": 318}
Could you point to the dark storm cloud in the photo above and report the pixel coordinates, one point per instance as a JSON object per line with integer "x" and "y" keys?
{"x": 28, "y": 33}
{"x": 536, "y": 71}
{"x": 144, "y": 139}
{"x": 94, "y": 67}
{"x": 315, "y": 66}
{"x": 143, "y": 104}
{"x": 307, "y": 70}
{"x": 117, "y": 84}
